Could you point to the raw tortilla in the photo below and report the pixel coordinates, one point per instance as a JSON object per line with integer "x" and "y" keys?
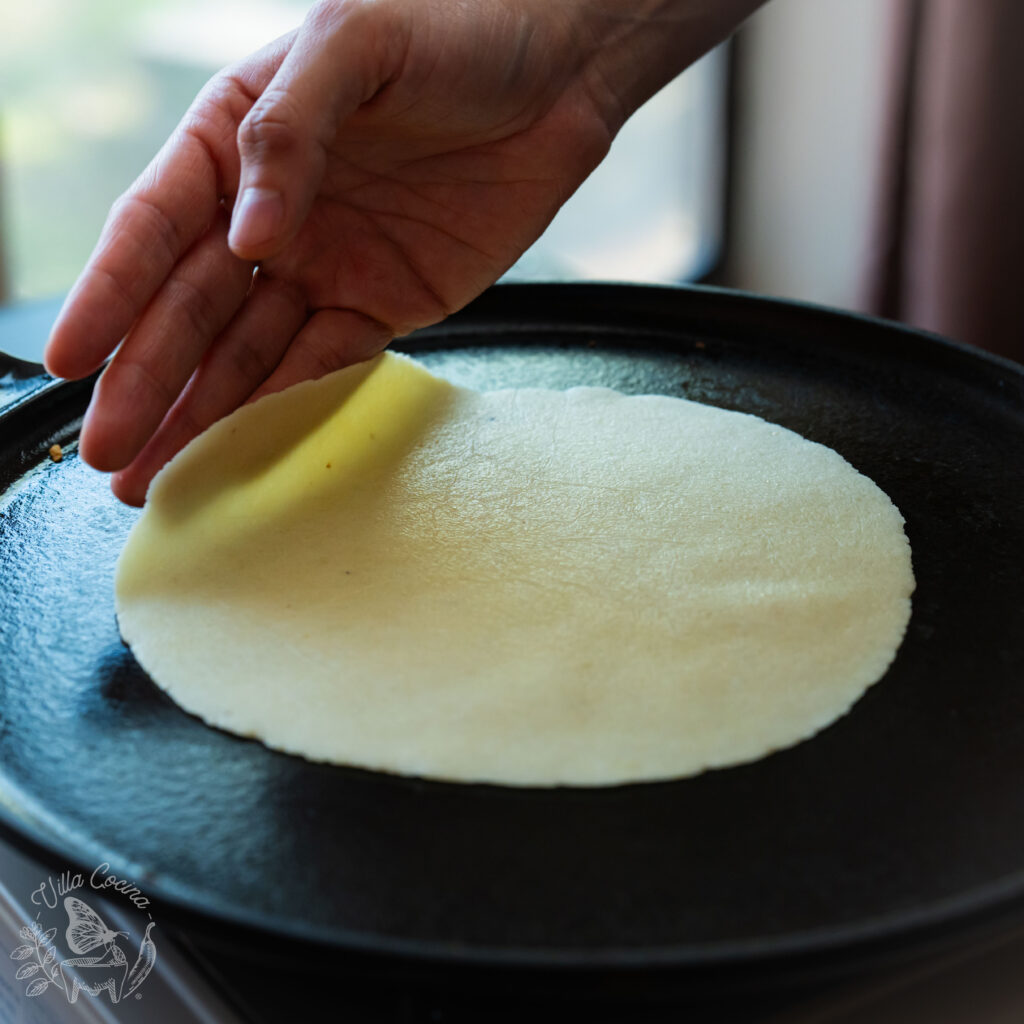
{"x": 525, "y": 587}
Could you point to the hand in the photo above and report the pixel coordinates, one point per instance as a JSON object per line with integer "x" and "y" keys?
{"x": 359, "y": 178}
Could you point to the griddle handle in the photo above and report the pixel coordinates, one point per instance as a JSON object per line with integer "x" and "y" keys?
{"x": 20, "y": 381}
{"x": 23, "y": 329}
{"x": 12, "y": 368}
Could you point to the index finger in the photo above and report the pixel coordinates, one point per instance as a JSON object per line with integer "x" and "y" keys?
{"x": 158, "y": 219}
{"x": 147, "y": 231}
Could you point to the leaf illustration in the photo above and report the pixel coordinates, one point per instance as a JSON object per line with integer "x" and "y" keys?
{"x": 27, "y": 934}
{"x": 143, "y": 963}
{"x": 49, "y": 934}
{"x": 26, "y": 971}
{"x": 37, "y": 988}
{"x": 22, "y": 951}
{"x": 51, "y": 955}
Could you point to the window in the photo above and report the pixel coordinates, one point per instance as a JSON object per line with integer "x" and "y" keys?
{"x": 654, "y": 209}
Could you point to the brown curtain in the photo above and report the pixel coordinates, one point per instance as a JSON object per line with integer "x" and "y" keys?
{"x": 948, "y": 252}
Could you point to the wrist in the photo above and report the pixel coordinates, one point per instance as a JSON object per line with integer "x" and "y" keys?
{"x": 638, "y": 46}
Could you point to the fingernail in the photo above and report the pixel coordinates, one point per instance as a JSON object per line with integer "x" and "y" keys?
{"x": 258, "y": 215}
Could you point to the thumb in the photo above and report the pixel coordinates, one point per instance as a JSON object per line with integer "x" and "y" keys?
{"x": 283, "y": 140}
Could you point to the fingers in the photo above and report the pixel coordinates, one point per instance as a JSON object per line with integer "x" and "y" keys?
{"x": 159, "y": 219}
{"x": 141, "y": 242}
{"x": 339, "y": 59}
{"x": 146, "y": 233}
{"x": 238, "y": 362}
{"x": 242, "y": 365}
{"x": 162, "y": 350}
{"x": 333, "y": 338}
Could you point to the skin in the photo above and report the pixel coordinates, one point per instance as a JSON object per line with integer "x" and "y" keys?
{"x": 365, "y": 175}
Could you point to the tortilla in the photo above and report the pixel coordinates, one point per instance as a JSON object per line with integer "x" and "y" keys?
{"x": 524, "y": 587}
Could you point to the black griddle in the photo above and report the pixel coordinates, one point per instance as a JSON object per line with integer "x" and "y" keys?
{"x": 898, "y": 828}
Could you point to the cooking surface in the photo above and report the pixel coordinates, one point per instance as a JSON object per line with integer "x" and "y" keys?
{"x": 907, "y": 813}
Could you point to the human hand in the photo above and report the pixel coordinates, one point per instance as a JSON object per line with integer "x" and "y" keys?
{"x": 364, "y": 176}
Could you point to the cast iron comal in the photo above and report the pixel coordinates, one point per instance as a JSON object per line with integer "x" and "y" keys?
{"x": 903, "y": 821}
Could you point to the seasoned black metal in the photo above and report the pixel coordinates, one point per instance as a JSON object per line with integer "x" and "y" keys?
{"x": 902, "y": 821}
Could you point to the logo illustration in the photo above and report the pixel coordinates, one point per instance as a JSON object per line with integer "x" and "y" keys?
{"x": 98, "y": 965}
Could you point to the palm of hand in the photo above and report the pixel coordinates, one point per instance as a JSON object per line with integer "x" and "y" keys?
{"x": 405, "y": 243}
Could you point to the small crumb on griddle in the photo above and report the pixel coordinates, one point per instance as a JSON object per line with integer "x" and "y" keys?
{"x": 56, "y": 452}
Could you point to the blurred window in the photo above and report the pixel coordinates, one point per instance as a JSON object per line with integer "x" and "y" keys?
{"x": 653, "y": 211}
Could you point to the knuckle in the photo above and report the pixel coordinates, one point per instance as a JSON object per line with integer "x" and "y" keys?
{"x": 322, "y": 356}
{"x": 210, "y": 97}
{"x": 321, "y": 16}
{"x": 378, "y": 25}
{"x": 324, "y": 15}
{"x": 197, "y": 307}
{"x": 251, "y": 363}
{"x": 126, "y": 207}
{"x": 131, "y": 375}
{"x": 152, "y": 229}
{"x": 270, "y": 128}
{"x": 116, "y": 291}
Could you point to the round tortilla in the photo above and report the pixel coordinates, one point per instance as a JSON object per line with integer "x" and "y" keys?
{"x": 524, "y": 587}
